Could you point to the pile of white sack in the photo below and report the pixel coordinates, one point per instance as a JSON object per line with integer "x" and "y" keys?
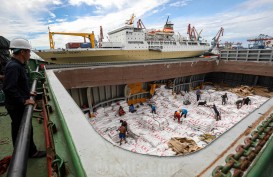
{"x": 149, "y": 133}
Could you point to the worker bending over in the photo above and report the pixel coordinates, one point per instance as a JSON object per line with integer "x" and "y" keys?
{"x": 239, "y": 103}
{"x": 121, "y": 112}
{"x": 177, "y": 116}
{"x": 247, "y": 101}
{"x": 132, "y": 108}
{"x": 184, "y": 112}
{"x": 217, "y": 114}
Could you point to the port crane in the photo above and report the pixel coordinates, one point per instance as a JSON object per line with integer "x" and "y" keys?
{"x": 100, "y": 36}
{"x": 260, "y": 41}
{"x": 90, "y": 36}
{"x": 193, "y": 34}
{"x": 131, "y": 20}
{"x": 215, "y": 40}
{"x": 140, "y": 24}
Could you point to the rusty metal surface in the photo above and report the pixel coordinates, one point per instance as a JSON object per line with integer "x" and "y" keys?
{"x": 125, "y": 74}
{"x": 253, "y": 68}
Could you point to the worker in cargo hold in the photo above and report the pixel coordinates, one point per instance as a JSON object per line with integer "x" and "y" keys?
{"x": 132, "y": 108}
{"x": 247, "y": 101}
{"x": 177, "y": 116}
{"x": 122, "y": 133}
{"x": 239, "y": 103}
{"x": 124, "y": 123}
{"x": 121, "y": 112}
{"x": 184, "y": 112}
{"x": 153, "y": 108}
{"x": 198, "y": 94}
{"x": 17, "y": 91}
{"x": 217, "y": 114}
{"x": 224, "y": 99}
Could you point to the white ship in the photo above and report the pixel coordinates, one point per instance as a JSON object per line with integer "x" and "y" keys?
{"x": 130, "y": 43}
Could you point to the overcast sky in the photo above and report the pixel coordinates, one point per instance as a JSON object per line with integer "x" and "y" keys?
{"x": 241, "y": 19}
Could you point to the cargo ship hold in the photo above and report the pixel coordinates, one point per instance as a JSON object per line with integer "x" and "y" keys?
{"x": 77, "y": 123}
{"x": 130, "y": 43}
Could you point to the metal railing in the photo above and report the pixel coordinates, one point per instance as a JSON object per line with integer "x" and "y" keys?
{"x": 256, "y": 55}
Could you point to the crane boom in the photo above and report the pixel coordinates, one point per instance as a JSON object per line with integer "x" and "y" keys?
{"x": 260, "y": 41}
{"x": 90, "y": 36}
{"x": 199, "y": 34}
{"x": 189, "y": 31}
{"x": 215, "y": 40}
{"x": 100, "y": 37}
{"x": 140, "y": 24}
{"x": 261, "y": 37}
{"x": 131, "y": 20}
{"x": 193, "y": 34}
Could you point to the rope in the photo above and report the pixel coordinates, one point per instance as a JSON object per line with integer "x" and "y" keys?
{"x": 3, "y": 114}
{"x": 5, "y": 140}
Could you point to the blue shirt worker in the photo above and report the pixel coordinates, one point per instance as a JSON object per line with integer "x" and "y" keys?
{"x": 184, "y": 112}
{"x": 153, "y": 108}
{"x": 132, "y": 108}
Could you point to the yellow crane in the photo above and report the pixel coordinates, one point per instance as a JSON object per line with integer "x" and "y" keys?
{"x": 90, "y": 36}
{"x": 131, "y": 20}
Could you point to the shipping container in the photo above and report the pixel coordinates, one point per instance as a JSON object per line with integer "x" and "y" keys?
{"x": 73, "y": 45}
{"x": 86, "y": 45}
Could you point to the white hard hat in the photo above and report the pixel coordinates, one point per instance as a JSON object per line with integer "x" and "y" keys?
{"x": 19, "y": 43}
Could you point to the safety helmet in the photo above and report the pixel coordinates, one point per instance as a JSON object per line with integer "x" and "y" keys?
{"x": 19, "y": 43}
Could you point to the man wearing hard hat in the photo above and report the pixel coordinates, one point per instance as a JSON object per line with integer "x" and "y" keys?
{"x": 17, "y": 91}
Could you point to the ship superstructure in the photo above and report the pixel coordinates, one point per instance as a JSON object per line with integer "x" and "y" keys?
{"x": 129, "y": 43}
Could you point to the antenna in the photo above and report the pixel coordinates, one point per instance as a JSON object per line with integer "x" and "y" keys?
{"x": 167, "y": 20}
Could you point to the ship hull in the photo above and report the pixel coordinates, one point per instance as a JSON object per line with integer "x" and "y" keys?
{"x": 94, "y": 55}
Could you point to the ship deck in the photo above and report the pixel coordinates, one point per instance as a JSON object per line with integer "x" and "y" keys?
{"x": 36, "y": 167}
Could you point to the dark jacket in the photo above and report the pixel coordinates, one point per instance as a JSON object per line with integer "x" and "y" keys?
{"x": 198, "y": 92}
{"x": 15, "y": 85}
{"x": 224, "y": 97}
{"x": 215, "y": 110}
